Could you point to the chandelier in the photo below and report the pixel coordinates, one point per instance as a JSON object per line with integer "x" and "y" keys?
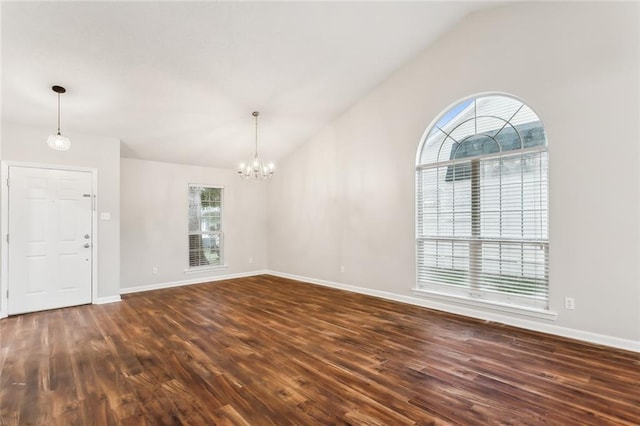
{"x": 57, "y": 141}
{"x": 255, "y": 169}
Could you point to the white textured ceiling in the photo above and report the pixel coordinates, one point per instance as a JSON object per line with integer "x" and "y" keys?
{"x": 177, "y": 81}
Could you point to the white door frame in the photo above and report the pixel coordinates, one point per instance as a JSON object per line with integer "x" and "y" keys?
{"x": 4, "y": 225}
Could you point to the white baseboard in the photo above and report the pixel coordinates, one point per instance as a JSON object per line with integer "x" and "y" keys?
{"x": 109, "y": 299}
{"x": 600, "y": 339}
{"x": 200, "y": 280}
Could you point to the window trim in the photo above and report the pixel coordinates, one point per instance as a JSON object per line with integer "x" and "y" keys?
{"x": 492, "y": 305}
{"x": 222, "y": 265}
{"x": 199, "y": 269}
{"x": 468, "y": 300}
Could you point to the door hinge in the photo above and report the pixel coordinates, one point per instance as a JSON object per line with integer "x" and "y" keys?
{"x": 7, "y": 238}
{"x": 7, "y": 182}
{"x": 7, "y": 293}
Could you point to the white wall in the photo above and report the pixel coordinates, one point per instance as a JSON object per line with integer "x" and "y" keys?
{"x": 28, "y": 144}
{"x": 154, "y": 223}
{"x": 346, "y": 198}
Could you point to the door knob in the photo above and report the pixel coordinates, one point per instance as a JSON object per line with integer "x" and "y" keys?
{"x": 86, "y": 236}
{"x": 87, "y": 245}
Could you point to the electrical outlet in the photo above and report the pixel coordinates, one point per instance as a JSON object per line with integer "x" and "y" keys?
{"x": 251, "y": 260}
{"x": 154, "y": 270}
{"x": 569, "y": 303}
{"x": 341, "y": 268}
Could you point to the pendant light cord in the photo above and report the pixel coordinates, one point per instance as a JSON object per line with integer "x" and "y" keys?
{"x": 58, "y": 113}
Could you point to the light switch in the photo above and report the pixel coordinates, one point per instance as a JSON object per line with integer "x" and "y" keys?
{"x": 105, "y": 216}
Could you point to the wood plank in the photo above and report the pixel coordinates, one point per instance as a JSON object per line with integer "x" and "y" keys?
{"x": 267, "y": 350}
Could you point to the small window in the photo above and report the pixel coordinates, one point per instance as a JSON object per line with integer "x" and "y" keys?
{"x": 482, "y": 204}
{"x": 205, "y": 226}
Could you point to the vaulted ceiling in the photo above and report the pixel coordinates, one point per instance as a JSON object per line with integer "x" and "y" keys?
{"x": 177, "y": 81}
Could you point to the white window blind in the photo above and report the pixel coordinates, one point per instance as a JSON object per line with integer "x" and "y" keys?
{"x": 205, "y": 226}
{"x": 482, "y": 204}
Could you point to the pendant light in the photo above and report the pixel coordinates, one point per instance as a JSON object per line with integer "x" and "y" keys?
{"x": 57, "y": 141}
{"x": 255, "y": 168}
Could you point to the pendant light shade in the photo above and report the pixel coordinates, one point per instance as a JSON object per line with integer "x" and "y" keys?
{"x": 57, "y": 141}
{"x": 255, "y": 168}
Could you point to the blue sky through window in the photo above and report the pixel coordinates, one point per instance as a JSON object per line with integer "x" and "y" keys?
{"x": 453, "y": 112}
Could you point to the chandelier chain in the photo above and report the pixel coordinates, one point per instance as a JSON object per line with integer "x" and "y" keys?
{"x": 255, "y": 114}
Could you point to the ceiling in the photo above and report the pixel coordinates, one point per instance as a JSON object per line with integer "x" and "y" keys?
{"x": 177, "y": 81}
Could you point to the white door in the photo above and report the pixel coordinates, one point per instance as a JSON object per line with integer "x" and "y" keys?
{"x": 50, "y": 239}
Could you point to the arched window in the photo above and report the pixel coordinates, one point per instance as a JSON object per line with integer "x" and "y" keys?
{"x": 482, "y": 204}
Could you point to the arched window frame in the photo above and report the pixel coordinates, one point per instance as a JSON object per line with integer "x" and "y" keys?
{"x": 479, "y": 254}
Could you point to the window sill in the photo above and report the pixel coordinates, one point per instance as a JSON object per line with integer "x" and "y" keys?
{"x": 487, "y": 304}
{"x": 204, "y": 269}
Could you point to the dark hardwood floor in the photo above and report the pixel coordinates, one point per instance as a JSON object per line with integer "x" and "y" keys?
{"x": 266, "y": 350}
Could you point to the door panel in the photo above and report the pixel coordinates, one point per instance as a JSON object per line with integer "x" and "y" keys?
{"x": 50, "y": 216}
